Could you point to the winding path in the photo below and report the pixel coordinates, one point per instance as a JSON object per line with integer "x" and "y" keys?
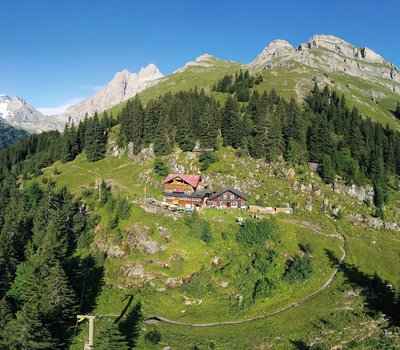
{"x": 309, "y": 297}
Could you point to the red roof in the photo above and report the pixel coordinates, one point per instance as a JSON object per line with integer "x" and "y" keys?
{"x": 192, "y": 180}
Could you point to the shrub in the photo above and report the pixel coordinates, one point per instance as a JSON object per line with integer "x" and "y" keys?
{"x": 263, "y": 288}
{"x": 154, "y": 336}
{"x": 206, "y": 159}
{"x": 306, "y": 248}
{"x": 160, "y": 168}
{"x": 254, "y": 233}
{"x": 299, "y": 269}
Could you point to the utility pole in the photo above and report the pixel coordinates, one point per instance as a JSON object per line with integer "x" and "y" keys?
{"x": 89, "y": 344}
{"x": 99, "y": 183}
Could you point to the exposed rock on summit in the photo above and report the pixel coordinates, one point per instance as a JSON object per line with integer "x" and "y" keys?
{"x": 123, "y": 86}
{"x": 330, "y": 54}
{"x": 204, "y": 60}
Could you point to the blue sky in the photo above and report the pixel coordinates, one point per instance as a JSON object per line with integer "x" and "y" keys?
{"x": 56, "y": 51}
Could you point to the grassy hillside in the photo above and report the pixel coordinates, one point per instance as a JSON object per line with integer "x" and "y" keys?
{"x": 145, "y": 249}
{"x": 202, "y": 77}
{"x": 295, "y": 80}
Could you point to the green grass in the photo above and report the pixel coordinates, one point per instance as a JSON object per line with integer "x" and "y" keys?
{"x": 190, "y": 78}
{"x": 335, "y": 315}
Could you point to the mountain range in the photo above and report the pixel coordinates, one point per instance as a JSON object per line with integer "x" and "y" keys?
{"x": 368, "y": 81}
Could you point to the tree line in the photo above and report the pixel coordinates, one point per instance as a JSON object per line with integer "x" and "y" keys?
{"x": 41, "y": 284}
{"x": 323, "y": 130}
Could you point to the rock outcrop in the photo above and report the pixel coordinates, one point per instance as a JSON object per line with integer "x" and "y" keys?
{"x": 19, "y": 113}
{"x": 123, "y": 86}
{"x": 330, "y": 54}
{"x": 204, "y": 60}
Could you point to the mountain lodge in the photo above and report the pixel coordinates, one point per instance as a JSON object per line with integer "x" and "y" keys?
{"x": 227, "y": 198}
{"x": 189, "y": 191}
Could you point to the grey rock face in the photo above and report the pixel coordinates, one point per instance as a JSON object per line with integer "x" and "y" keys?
{"x": 331, "y": 54}
{"x": 123, "y": 86}
{"x": 19, "y": 113}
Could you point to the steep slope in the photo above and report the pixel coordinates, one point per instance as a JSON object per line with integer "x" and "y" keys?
{"x": 9, "y": 135}
{"x": 19, "y": 113}
{"x": 201, "y": 73}
{"x": 123, "y": 86}
{"x": 369, "y": 81}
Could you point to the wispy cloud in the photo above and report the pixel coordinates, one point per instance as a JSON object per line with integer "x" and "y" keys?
{"x": 91, "y": 88}
{"x": 58, "y": 110}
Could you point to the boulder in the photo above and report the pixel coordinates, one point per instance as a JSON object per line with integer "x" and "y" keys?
{"x": 173, "y": 282}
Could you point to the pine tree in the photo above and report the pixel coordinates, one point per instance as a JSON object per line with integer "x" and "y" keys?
{"x": 110, "y": 338}
{"x": 274, "y": 142}
{"x": 208, "y": 126}
{"x": 137, "y": 114}
{"x": 230, "y": 124}
{"x": 152, "y": 115}
{"x": 27, "y": 331}
{"x": 162, "y": 142}
{"x": 326, "y": 169}
{"x": 397, "y": 112}
{"x": 95, "y": 140}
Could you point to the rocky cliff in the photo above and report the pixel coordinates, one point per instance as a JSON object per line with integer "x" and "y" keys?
{"x": 123, "y": 86}
{"x": 19, "y": 113}
{"x": 330, "y": 54}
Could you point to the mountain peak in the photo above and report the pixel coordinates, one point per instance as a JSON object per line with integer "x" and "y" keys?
{"x": 342, "y": 47}
{"x": 204, "y": 57}
{"x": 204, "y": 60}
{"x": 275, "y": 49}
{"x": 123, "y": 86}
{"x": 151, "y": 71}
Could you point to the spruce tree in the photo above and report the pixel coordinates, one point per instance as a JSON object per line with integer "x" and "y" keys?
{"x": 95, "y": 140}
{"x": 397, "y": 112}
{"x": 110, "y": 338}
{"x": 230, "y": 124}
{"x": 27, "y": 331}
{"x": 326, "y": 169}
{"x": 152, "y": 116}
{"x": 162, "y": 143}
{"x": 208, "y": 133}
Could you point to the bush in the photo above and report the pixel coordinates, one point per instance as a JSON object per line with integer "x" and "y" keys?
{"x": 160, "y": 168}
{"x": 199, "y": 284}
{"x": 254, "y": 233}
{"x": 154, "y": 336}
{"x": 263, "y": 288}
{"x": 298, "y": 270}
{"x": 307, "y": 248}
{"x": 206, "y": 159}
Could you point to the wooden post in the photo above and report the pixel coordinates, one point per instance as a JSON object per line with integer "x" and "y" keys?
{"x": 99, "y": 186}
{"x": 91, "y": 330}
{"x": 80, "y": 318}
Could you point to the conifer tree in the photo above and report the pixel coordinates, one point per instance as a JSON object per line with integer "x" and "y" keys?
{"x": 397, "y": 112}
{"x": 274, "y": 141}
{"x": 230, "y": 124}
{"x": 110, "y": 338}
{"x": 27, "y": 331}
{"x": 326, "y": 169}
{"x": 208, "y": 133}
{"x": 152, "y": 115}
{"x": 162, "y": 142}
{"x": 95, "y": 140}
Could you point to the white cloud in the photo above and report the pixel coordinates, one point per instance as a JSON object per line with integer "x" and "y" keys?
{"x": 91, "y": 88}
{"x": 58, "y": 110}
